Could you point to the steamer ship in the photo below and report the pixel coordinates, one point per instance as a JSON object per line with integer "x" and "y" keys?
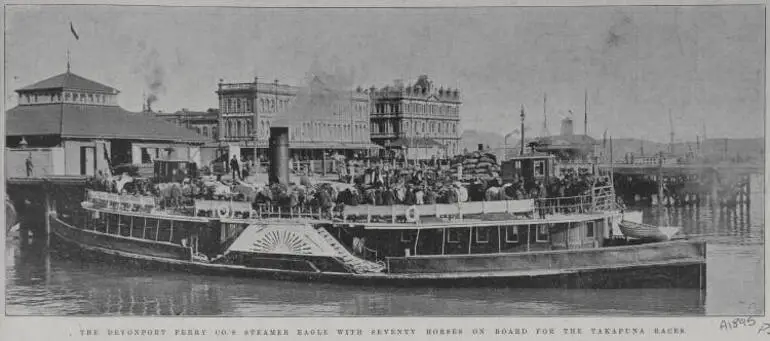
{"x": 567, "y": 242}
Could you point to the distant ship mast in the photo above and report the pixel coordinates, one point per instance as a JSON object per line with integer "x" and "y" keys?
{"x": 585, "y": 117}
{"x": 545, "y": 132}
{"x": 671, "y": 126}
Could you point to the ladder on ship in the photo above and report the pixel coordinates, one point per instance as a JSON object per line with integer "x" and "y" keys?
{"x": 355, "y": 263}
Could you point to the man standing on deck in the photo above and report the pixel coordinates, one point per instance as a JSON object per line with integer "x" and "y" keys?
{"x": 28, "y": 164}
{"x": 235, "y": 168}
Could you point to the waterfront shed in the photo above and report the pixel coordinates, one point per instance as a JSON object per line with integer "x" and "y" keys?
{"x": 70, "y": 125}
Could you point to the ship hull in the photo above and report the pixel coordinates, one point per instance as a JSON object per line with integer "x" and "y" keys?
{"x": 670, "y": 271}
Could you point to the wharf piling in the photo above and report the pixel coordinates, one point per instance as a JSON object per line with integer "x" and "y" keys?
{"x": 680, "y": 186}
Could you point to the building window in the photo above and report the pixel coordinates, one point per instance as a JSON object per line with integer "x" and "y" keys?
{"x": 542, "y": 233}
{"x": 512, "y": 234}
{"x": 205, "y": 131}
{"x": 590, "y": 232}
{"x": 482, "y": 234}
{"x": 214, "y": 132}
{"x": 146, "y": 158}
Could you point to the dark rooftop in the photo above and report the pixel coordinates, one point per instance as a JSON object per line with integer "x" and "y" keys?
{"x": 94, "y": 122}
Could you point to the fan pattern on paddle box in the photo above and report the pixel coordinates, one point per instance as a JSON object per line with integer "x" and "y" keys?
{"x": 286, "y": 242}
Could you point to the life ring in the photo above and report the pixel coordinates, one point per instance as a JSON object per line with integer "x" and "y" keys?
{"x": 412, "y": 214}
{"x": 223, "y": 211}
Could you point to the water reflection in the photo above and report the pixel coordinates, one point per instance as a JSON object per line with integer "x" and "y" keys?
{"x": 39, "y": 283}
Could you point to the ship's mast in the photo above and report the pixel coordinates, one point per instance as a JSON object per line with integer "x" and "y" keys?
{"x": 522, "y": 130}
{"x": 671, "y": 126}
{"x": 585, "y": 117}
{"x": 545, "y": 133}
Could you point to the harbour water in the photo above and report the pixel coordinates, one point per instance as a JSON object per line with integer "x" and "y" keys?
{"x": 42, "y": 283}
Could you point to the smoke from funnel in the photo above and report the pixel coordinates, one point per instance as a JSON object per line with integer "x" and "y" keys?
{"x": 154, "y": 76}
{"x": 320, "y": 97}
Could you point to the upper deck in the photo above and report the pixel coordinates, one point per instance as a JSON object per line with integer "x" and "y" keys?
{"x": 480, "y": 213}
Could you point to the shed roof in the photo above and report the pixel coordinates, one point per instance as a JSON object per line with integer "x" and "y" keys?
{"x": 94, "y": 121}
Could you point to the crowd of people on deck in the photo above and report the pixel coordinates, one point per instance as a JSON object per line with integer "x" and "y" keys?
{"x": 375, "y": 184}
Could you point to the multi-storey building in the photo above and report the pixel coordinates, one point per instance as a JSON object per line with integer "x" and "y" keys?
{"x": 416, "y": 116}
{"x": 339, "y": 121}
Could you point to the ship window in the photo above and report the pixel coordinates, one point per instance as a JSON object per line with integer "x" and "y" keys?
{"x": 512, "y": 234}
{"x": 590, "y": 232}
{"x": 453, "y": 236}
{"x": 151, "y": 229}
{"x": 540, "y": 168}
{"x": 542, "y": 233}
{"x": 124, "y": 224}
{"x": 136, "y": 226}
{"x": 482, "y": 234}
{"x": 164, "y": 230}
{"x": 406, "y": 237}
{"x": 112, "y": 224}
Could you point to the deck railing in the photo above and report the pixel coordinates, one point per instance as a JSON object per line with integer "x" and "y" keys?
{"x": 121, "y": 202}
{"x": 564, "y": 205}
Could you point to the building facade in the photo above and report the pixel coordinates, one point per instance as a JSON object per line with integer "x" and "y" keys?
{"x": 416, "y": 116}
{"x": 205, "y": 123}
{"x": 320, "y": 117}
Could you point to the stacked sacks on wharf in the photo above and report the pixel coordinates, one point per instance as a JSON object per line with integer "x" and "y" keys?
{"x": 475, "y": 165}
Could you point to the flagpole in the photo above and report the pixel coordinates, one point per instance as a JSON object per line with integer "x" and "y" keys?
{"x": 522, "y": 130}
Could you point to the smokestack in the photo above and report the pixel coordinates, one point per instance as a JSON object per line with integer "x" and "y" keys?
{"x": 481, "y": 146}
{"x": 279, "y": 155}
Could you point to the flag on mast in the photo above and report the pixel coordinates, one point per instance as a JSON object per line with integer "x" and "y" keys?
{"x": 74, "y": 33}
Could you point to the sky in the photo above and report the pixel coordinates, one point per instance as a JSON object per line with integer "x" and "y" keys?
{"x": 702, "y": 65}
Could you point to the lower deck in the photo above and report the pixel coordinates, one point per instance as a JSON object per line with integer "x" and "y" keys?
{"x": 675, "y": 263}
